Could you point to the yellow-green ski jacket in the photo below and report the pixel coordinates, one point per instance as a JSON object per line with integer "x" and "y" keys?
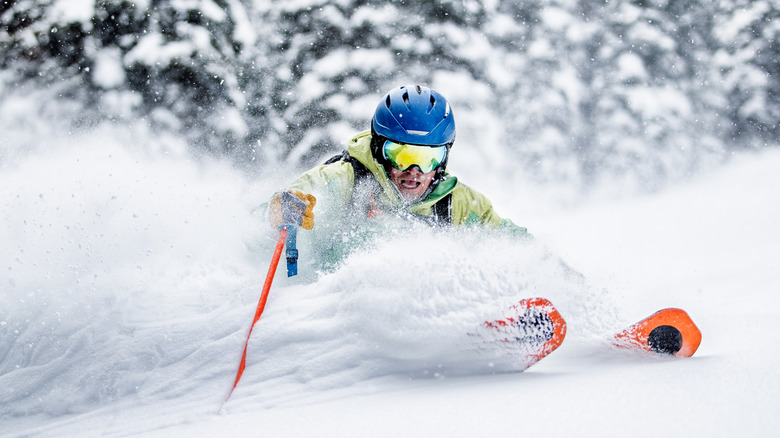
{"x": 336, "y": 182}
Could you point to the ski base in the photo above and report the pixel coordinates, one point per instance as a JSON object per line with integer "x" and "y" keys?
{"x": 534, "y": 329}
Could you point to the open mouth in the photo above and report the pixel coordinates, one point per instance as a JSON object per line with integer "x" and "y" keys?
{"x": 410, "y": 184}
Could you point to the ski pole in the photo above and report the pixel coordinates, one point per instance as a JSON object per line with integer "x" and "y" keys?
{"x": 292, "y": 252}
{"x": 283, "y": 230}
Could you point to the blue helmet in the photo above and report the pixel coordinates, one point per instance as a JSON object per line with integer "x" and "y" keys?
{"x": 416, "y": 115}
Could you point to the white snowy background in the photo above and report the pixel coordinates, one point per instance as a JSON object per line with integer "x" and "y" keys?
{"x": 132, "y": 268}
{"x": 130, "y": 280}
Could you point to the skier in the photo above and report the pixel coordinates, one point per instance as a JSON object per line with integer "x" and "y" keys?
{"x": 396, "y": 171}
{"x": 395, "y": 174}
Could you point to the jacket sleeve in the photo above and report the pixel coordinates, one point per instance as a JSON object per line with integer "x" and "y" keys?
{"x": 331, "y": 183}
{"x": 327, "y": 180}
{"x": 470, "y": 207}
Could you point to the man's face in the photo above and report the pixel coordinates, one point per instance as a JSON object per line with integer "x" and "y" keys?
{"x": 411, "y": 183}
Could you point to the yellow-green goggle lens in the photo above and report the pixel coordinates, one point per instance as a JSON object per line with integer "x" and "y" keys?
{"x": 403, "y": 156}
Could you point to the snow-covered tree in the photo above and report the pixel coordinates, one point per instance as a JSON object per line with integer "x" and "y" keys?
{"x": 175, "y": 63}
{"x": 335, "y": 59}
{"x": 746, "y": 56}
{"x": 571, "y": 89}
{"x": 649, "y": 113}
{"x": 611, "y": 88}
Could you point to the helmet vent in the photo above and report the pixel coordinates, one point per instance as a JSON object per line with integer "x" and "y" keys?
{"x": 414, "y": 114}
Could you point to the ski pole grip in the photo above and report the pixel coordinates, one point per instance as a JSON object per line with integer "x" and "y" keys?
{"x": 292, "y": 250}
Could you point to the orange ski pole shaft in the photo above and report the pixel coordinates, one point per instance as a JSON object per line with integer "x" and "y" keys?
{"x": 261, "y": 303}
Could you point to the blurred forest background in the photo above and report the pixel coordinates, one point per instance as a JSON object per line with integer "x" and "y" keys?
{"x": 564, "y": 90}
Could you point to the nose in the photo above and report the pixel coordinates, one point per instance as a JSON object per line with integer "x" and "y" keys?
{"x": 413, "y": 169}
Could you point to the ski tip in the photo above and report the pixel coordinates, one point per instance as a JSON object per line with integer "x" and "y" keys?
{"x": 669, "y": 332}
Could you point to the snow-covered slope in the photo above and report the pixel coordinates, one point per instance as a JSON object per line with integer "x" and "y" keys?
{"x": 131, "y": 280}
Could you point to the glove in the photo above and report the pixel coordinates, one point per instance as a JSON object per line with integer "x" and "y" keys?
{"x": 292, "y": 208}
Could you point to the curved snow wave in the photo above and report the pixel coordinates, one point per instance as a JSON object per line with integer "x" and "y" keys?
{"x": 410, "y": 307}
{"x": 117, "y": 265}
{"x": 130, "y": 280}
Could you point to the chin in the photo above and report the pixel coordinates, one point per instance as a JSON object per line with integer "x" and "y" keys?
{"x": 408, "y": 196}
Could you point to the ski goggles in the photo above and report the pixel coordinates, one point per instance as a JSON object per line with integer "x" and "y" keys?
{"x": 403, "y": 156}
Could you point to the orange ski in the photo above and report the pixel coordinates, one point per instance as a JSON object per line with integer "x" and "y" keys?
{"x": 534, "y": 324}
{"x": 668, "y": 331}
